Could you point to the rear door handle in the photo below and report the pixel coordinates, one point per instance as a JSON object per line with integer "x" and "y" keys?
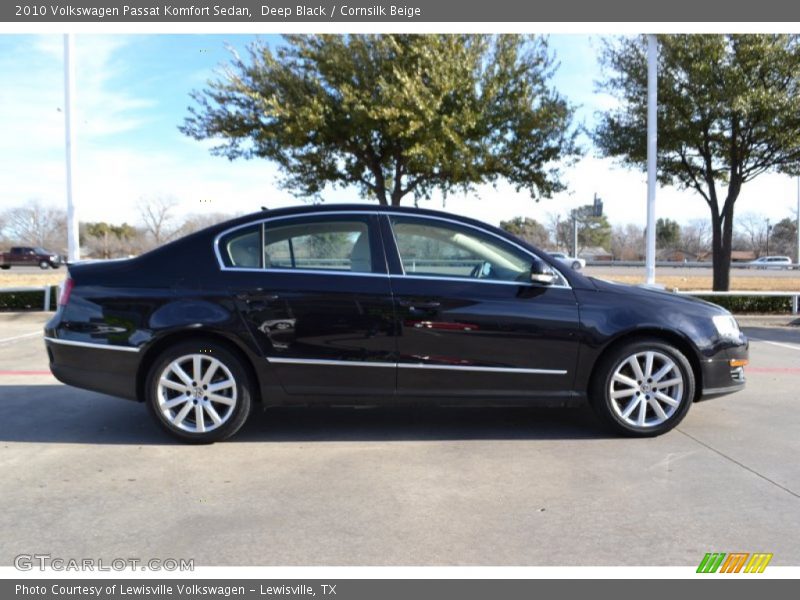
{"x": 250, "y": 298}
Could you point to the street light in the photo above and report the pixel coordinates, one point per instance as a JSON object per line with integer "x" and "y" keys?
{"x": 769, "y": 231}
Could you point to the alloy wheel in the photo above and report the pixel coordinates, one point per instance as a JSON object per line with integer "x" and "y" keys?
{"x": 646, "y": 389}
{"x": 196, "y": 393}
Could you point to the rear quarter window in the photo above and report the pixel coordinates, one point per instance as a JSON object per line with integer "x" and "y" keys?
{"x": 242, "y": 248}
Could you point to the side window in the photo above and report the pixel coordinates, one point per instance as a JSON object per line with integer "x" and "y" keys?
{"x": 331, "y": 243}
{"x": 437, "y": 248}
{"x": 242, "y": 248}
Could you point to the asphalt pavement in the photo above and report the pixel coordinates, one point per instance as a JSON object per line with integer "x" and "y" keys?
{"x": 87, "y": 475}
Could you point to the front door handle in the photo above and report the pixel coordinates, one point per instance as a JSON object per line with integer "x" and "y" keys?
{"x": 422, "y": 305}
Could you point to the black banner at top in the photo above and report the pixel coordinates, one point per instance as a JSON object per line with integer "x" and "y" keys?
{"x": 438, "y": 11}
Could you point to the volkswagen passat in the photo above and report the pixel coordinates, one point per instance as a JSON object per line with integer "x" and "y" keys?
{"x": 368, "y": 305}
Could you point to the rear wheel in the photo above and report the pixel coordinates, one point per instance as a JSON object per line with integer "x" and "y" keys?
{"x": 576, "y": 265}
{"x": 199, "y": 392}
{"x": 643, "y": 388}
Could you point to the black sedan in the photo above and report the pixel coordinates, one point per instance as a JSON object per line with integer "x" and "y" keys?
{"x": 357, "y": 304}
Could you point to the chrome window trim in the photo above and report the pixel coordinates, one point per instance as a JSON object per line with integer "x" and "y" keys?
{"x": 91, "y": 345}
{"x": 476, "y": 228}
{"x": 401, "y": 365}
{"x": 262, "y": 222}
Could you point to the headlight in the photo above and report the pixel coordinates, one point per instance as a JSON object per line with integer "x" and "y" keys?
{"x": 727, "y": 326}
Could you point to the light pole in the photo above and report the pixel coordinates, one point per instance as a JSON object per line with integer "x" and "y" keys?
{"x": 798, "y": 219}
{"x": 652, "y": 148}
{"x": 73, "y": 243}
{"x": 769, "y": 231}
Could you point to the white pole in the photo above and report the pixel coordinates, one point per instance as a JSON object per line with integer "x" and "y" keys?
{"x": 73, "y": 245}
{"x": 798, "y": 219}
{"x": 652, "y": 148}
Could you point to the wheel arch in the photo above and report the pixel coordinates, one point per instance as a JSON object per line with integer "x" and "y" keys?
{"x": 233, "y": 345}
{"x": 666, "y": 335}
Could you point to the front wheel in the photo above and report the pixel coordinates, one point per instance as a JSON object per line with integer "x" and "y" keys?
{"x": 44, "y": 265}
{"x": 576, "y": 266}
{"x": 643, "y": 388}
{"x": 199, "y": 392}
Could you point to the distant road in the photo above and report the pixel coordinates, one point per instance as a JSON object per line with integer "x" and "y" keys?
{"x": 612, "y": 271}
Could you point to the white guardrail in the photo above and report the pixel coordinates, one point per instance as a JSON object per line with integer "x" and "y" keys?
{"x": 42, "y": 288}
{"x": 675, "y": 264}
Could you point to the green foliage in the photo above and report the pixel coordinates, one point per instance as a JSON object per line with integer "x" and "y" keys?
{"x": 784, "y": 238}
{"x": 728, "y": 111}
{"x": 16, "y": 301}
{"x": 393, "y": 114}
{"x": 752, "y": 304}
{"x": 527, "y": 229}
{"x": 668, "y": 233}
{"x": 592, "y": 231}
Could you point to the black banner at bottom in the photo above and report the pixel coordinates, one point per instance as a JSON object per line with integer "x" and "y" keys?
{"x": 388, "y": 589}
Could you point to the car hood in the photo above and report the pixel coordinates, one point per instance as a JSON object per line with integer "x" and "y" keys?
{"x": 648, "y": 293}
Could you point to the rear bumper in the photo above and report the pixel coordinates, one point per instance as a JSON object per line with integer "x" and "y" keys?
{"x": 97, "y": 369}
{"x": 720, "y": 377}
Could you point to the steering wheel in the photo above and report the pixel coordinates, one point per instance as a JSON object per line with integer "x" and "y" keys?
{"x": 480, "y": 270}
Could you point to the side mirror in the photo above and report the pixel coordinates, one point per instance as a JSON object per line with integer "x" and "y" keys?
{"x": 542, "y": 273}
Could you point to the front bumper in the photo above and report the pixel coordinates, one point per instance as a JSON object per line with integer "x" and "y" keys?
{"x": 723, "y": 373}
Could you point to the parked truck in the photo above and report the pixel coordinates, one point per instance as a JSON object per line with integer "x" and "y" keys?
{"x": 29, "y": 256}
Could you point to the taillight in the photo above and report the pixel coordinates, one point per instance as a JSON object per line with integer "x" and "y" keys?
{"x": 65, "y": 291}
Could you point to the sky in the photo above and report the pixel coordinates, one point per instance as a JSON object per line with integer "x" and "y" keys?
{"x": 133, "y": 92}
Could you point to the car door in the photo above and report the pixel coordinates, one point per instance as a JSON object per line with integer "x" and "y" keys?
{"x": 316, "y": 298}
{"x": 471, "y": 323}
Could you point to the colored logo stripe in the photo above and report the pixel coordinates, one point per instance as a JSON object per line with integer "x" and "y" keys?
{"x": 758, "y": 562}
{"x": 734, "y": 562}
{"x": 711, "y": 562}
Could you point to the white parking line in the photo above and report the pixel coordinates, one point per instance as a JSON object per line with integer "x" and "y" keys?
{"x": 790, "y": 346}
{"x": 19, "y": 337}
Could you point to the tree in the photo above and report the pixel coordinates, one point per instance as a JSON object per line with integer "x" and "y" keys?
{"x": 696, "y": 237}
{"x": 592, "y": 231}
{"x": 393, "y": 114}
{"x": 754, "y": 228}
{"x": 157, "y": 218}
{"x": 528, "y": 229}
{"x": 784, "y": 238}
{"x": 106, "y": 239}
{"x": 729, "y": 110}
{"x": 35, "y": 224}
{"x": 627, "y": 242}
{"x": 668, "y": 233}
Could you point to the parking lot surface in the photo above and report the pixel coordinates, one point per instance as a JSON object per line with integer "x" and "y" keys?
{"x": 87, "y": 475}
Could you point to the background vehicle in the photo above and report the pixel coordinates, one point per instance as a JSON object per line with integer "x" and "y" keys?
{"x": 571, "y": 261}
{"x": 29, "y": 256}
{"x": 357, "y": 304}
{"x": 771, "y": 262}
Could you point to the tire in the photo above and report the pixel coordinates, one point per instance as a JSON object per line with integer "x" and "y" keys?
{"x": 615, "y": 374}
{"x": 576, "y": 265}
{"x": 44, "y": 265}
{"x": 181, "y": 418}
{"x": 54, "y": 266}
{"x": 5, "y": 267}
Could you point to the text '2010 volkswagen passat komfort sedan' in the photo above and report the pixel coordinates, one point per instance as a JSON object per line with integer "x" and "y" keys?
{"x": 363, "y": 305}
